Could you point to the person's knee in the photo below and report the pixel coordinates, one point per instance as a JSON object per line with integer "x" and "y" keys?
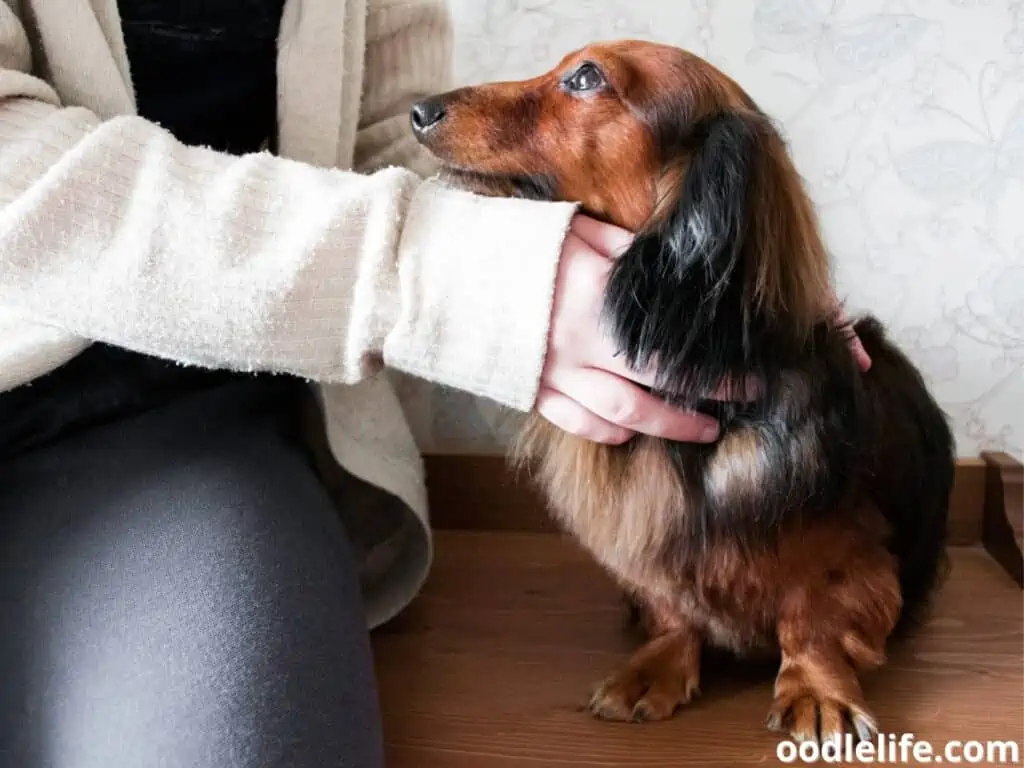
{"x": 210, "y": 617}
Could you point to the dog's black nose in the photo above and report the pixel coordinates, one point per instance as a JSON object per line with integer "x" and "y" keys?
{"x": 426, "y": 113}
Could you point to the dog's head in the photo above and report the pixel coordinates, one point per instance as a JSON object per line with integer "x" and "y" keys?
{"x": 728, "y": 274}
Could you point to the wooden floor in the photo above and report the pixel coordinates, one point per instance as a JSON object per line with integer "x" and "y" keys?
{"x": 489, "y": 667}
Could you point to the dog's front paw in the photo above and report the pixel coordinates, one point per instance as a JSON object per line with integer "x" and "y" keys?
{"x": 659, "y": 679}
{"x": 625, "y": 697}
{"x": 819, "y": 712}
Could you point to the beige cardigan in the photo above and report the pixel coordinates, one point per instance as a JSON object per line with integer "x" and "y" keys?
{"x": 111, "y": 230}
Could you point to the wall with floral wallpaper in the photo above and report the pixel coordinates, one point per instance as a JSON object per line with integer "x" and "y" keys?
{"x": 906, "y": 117}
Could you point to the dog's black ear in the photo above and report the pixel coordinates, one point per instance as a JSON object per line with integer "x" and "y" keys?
{"x": 687, "y": 296}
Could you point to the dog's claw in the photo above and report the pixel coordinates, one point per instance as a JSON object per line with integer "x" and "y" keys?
{"x": 807, "y": 718}
{"x": 865, "y": 725}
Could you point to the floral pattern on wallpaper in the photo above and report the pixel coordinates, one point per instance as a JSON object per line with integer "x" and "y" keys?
{"x": 905, "y": 117}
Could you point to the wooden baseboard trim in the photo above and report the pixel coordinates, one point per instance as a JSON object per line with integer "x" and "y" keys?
{"x": 481, "y": 493}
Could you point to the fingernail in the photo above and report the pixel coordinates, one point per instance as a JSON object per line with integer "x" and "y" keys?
{"x": 709, "y": 434}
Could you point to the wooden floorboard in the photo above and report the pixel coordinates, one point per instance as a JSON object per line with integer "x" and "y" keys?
{"x": 488, "y": 668}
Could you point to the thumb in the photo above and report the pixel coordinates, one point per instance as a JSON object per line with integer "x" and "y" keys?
{"x": 607, "y": 239}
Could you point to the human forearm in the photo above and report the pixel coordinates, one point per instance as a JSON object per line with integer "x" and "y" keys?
{"x": 115, "y": 231}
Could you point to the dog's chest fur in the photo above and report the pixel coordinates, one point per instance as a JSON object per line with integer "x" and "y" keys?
{"x": 623, "y": 506}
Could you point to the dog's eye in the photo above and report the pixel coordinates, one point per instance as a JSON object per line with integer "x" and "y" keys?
{"x": 587, "y": 78}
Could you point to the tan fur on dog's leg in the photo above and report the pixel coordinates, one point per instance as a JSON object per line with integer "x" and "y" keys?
{"x": 660, "y": 677}
{"x": 830, "y": 630}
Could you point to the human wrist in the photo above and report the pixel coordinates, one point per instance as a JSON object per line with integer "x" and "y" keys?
{"x": 476, "y": 277}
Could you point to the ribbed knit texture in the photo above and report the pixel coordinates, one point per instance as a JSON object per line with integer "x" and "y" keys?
{"x": 112, "y": 230}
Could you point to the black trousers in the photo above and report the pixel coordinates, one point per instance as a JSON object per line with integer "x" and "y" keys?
{"x": 177, "y": 590}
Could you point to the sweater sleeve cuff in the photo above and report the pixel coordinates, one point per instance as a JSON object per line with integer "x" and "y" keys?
{"x": 477, "y": 281}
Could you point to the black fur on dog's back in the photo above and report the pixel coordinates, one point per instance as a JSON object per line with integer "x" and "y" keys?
{"x": 909, "y": 464}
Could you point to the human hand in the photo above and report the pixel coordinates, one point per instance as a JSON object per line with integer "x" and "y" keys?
{"x": 588, "y": 390}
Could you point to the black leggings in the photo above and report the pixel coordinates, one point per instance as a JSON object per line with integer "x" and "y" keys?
{"x": 177, "y": 590}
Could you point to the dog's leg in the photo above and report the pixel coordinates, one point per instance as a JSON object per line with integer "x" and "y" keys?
{"x": 829, "y": 632}
{"x": 818, "y": 698}
{"x": 662, "y": 676}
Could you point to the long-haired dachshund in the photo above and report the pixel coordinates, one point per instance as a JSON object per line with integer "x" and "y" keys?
{"x": 815, "y": 527}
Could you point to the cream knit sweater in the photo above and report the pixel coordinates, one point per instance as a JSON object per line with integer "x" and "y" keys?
{"x": 333, "y": 264}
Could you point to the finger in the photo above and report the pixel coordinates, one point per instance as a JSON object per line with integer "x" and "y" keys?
{"x": 625, "y": 405}
{"x": 607, "y": 359}
{"x": 856, "y": 347}
{"x": 607, "y": 239}
{"x": 569, "y": 416}
{"x": 860, "y": 354}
